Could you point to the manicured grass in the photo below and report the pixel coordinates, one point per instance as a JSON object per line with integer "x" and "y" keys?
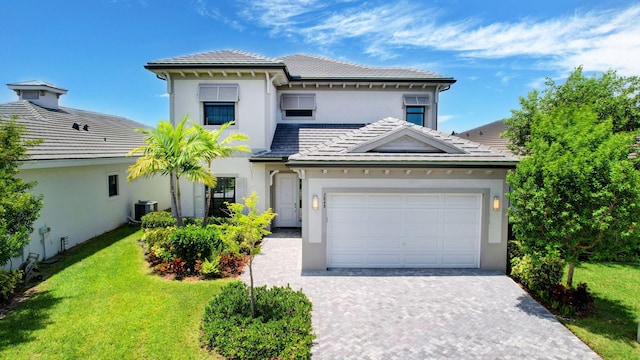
{"x": 101, "y": 303}
{"x": 611, "y": 331}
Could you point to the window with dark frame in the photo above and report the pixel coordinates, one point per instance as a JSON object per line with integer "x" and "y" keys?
{"x": 225, "y": 191}
{"x": 219, "y": 113}
{"x": 113, "y": 185}
{"x": 415, "y": 115}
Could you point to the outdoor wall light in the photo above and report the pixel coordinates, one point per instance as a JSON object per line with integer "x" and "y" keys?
{"x": 496, "y": 203}
{"x": 314, "y": 202}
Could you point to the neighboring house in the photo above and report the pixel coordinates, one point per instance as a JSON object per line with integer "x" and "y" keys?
{"x": 80, "y": 167}
{"x": 488, "y": 134}
{"x": 350, "y": 154}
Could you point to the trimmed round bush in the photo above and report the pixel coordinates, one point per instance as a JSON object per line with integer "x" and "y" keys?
{"x": 538, "y": 273}
{"x": 158, "y": 219}
{"x": 193, "y": 242}
{"x": 281, "y": 329}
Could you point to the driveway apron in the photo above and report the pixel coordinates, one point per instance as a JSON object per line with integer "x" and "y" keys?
{"x": 417, "y": 314}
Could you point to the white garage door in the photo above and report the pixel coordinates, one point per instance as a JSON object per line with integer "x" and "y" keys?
{"x": 403, "y": 230}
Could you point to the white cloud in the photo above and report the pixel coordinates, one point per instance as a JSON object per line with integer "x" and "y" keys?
{"x": 445, "y": 118}
{"x": 599, "y": 40}
{"x": 204, "y": 9}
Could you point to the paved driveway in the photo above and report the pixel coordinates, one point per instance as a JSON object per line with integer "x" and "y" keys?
{"x": 417, "y": 314}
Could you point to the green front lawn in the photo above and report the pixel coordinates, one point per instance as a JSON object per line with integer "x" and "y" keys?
{"x": 101, "y": 302}
{"x": 611, "y": 331}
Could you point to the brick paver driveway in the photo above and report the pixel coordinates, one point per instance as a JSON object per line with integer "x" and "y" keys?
{"x": 417, "y": 314}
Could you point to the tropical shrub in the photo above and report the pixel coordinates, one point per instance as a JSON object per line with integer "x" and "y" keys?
{"x": 211, "y": 268}
{"x": 281, "y": 329}
{"x": 8, "y": 282}
{"x": 538, "y": 273}
{"x": 158, "y": 219}
{"x": 571, "y": 301}
{"x": 161, "y": 235}
{"x": 192, "y": 242}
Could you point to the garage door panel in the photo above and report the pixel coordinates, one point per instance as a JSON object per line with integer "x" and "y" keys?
{"x": 422, "y": 260}
{"x": 461, "y": 200}
{"x": 403, "y": 230}
{"x": 383, "y": 260}
{"x": 428, "y": 244}
{"x": 392, "y": 200}
{"x": 423, "y": 200}
{"x": 423, "y": 230}
{"x": 459, "y": 260}
{"x": 461, "y": 216}
{"x": 429, "y": 216}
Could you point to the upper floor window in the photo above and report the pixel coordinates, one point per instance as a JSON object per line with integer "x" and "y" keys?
{"x": 218, "y": 113}
{"x": 415, "y": 114}
{"x": 219, "y": 103}
{"x": 298, "y": 106}
{"x": 415, "y": 106}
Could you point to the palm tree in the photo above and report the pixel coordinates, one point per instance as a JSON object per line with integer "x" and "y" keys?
{"x": 216, "y": 149}
{"x": 176, "y": 152}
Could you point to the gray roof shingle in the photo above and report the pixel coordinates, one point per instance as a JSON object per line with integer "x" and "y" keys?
{"x": 488, "y": 134}
{"x": 220, "y": 57}
{"x": 298, "y": 66}
{"x": 291, "y": 138}
{"x": 338, "y": 150}
{"x": 317, "y": 67}
{"x": 107, "y": 136}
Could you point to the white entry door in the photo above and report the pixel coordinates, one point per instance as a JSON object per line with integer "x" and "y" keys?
{"x": 287, "y": 200}
{"x": 404, "y": 230}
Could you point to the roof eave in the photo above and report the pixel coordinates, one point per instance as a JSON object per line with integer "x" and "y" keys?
{"x": 373, "y": 79}
{"x": 403, "y": 164}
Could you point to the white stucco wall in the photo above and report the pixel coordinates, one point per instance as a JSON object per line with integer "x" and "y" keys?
{"x": 359, "y": 106}
{"x": 252, "y": 111}
{"x": 77, "y": 203}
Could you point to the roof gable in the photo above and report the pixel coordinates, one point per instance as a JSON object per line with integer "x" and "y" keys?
{"x": 405, "y": 139}
{"x": 392, "y": 141}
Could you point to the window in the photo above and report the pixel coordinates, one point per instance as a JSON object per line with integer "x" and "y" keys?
{"x": 298, "y": 105}
{"x": 225, "y": 191}
{"x": 30, "y": 94}
{"x": 415, "y": 105}
{"x": 218, "y": 113}
{"x": 415, "y": 114}
{"x": 113, "y": 185}
{"x": 219, "y": 102}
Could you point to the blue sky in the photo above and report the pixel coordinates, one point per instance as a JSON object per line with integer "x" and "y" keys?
{"x": 497, "y": 50}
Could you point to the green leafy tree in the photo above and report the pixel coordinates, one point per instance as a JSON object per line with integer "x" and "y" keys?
{"x": 246, "y": 228}
{"x": 19, "y": 208}
{"x": 215, "y": 149}
{"x": 609, "y": 96}
{"x": 577, "y": 192}
{"x": 174, "y": 152}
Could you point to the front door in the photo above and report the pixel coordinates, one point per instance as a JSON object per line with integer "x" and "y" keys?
{"x": 287, "y": 200}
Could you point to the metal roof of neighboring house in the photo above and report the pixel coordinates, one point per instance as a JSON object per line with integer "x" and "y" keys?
{"x": 291, "y": 138}
{"x": 317, "y": 67}
{"x": 106, "y": 136}
{"x": 33, "y": 84}
{"x": 361, "y": 147}
{"x": 488, "y": 134}
{"x": 298, "y": 66}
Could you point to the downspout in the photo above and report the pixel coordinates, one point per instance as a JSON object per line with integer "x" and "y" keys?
{"x": 439, "y": 88}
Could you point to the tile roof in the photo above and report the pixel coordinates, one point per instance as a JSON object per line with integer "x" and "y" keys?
{"x": 221, "y": 57}
{"x": 291, "y": 138}
{"x": 488, "y": 134}
{"x": 299, "y": 66}
{"x": 317, "y": 67}
{"x": 107, "y": 136}
{"x": 339, "y": 150}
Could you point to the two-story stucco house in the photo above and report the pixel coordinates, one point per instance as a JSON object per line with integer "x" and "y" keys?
{"x": 80, "y": 168}
{"x": 349, "y": 153}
